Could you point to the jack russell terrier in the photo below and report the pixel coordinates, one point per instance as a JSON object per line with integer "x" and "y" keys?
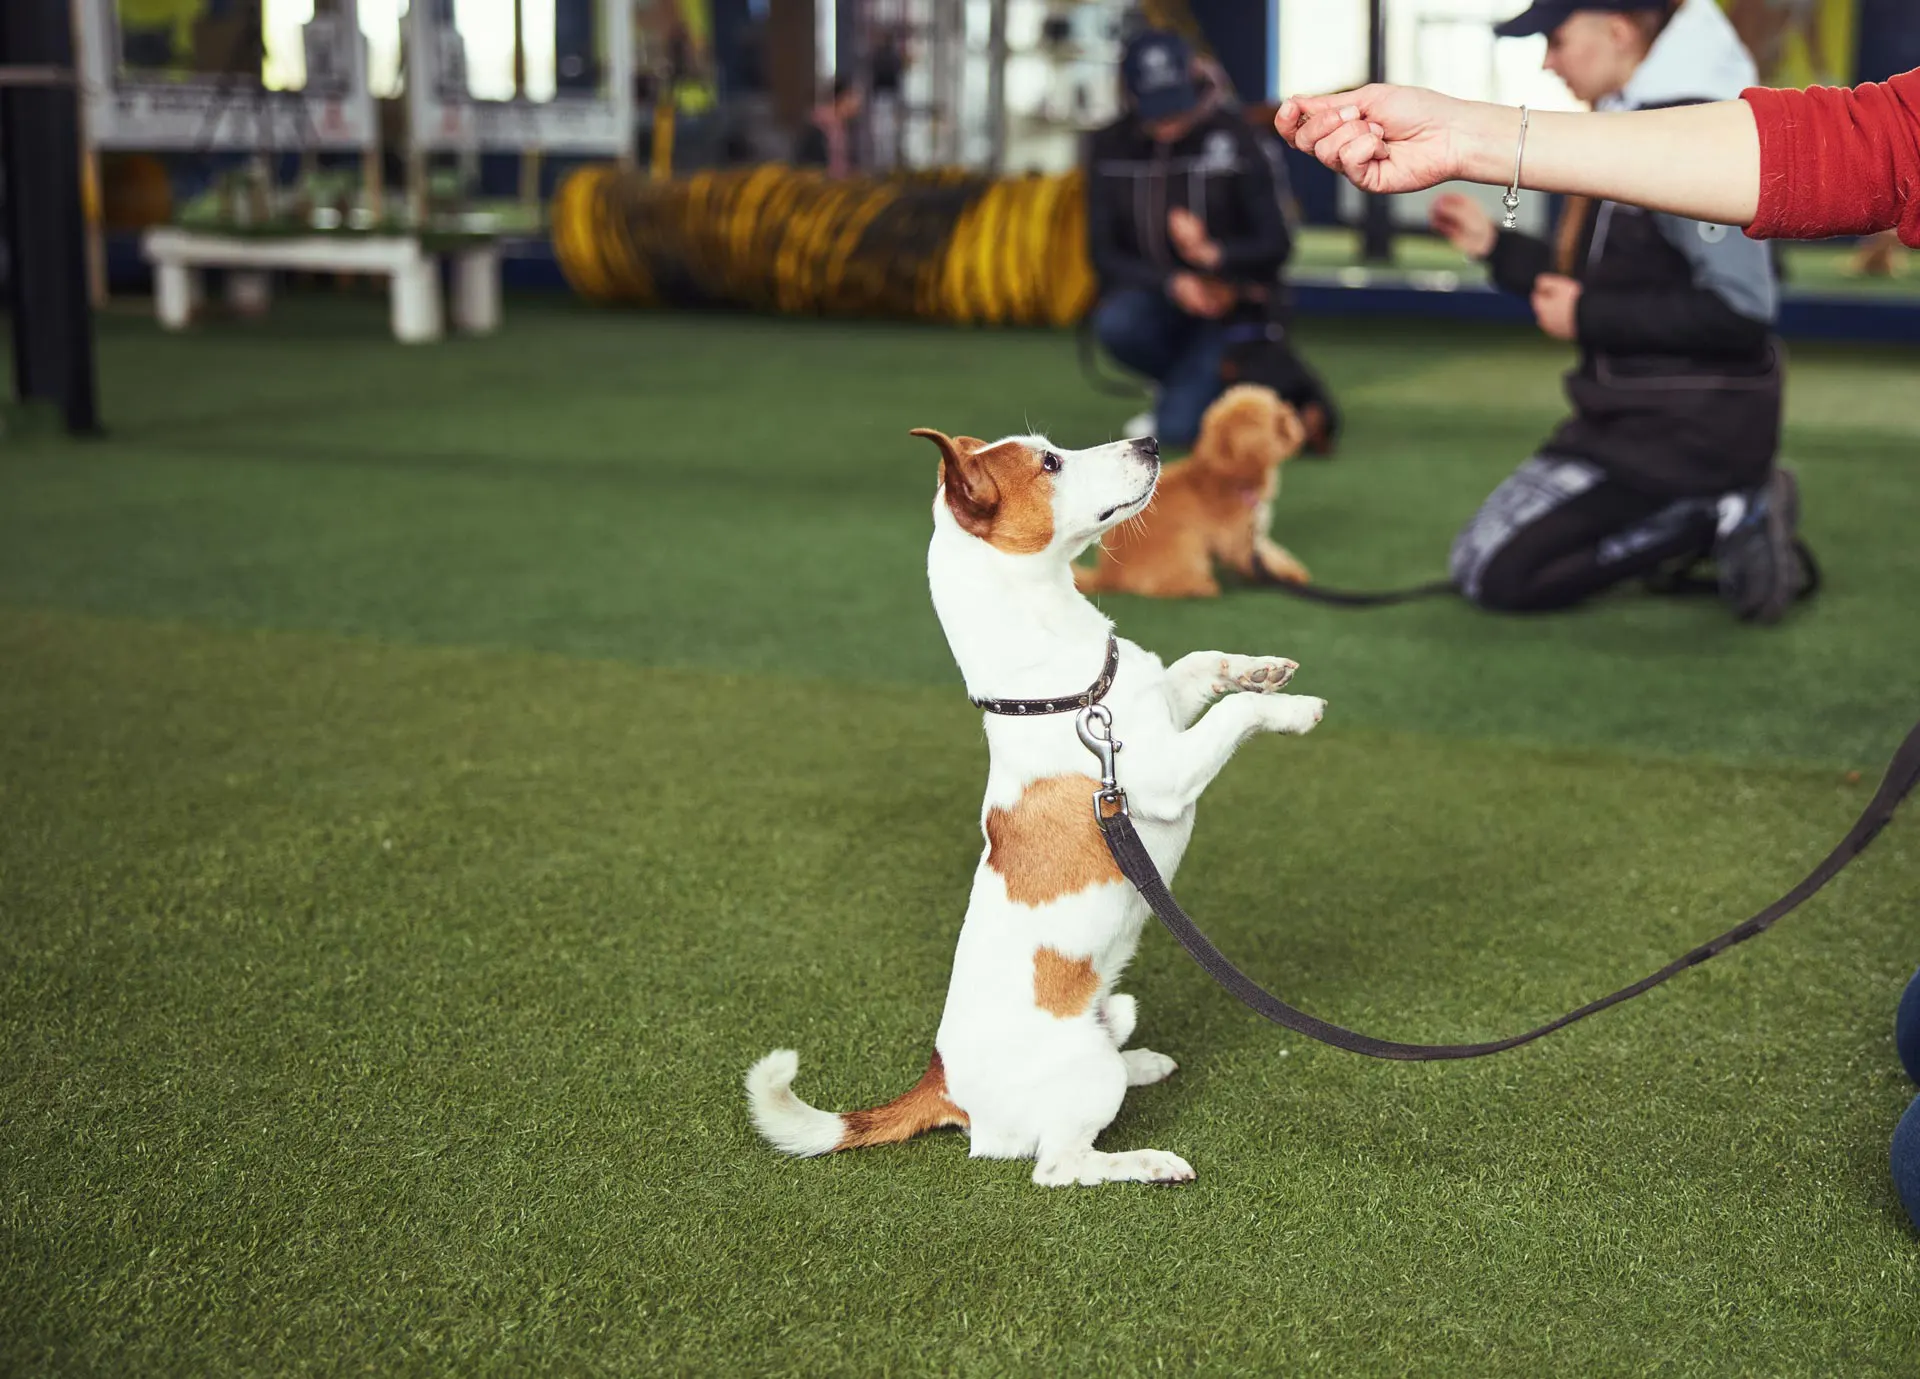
{"x": 1031, "y": 1057}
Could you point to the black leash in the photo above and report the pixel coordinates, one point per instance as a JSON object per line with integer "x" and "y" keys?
{"x": 1116, "y": 825}
{"x": 1352, "y": 598}
{"x": 1674, "y": 582}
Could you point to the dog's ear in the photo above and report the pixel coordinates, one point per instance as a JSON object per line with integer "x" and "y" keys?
{"x": 1293, "y": 431}
{"x": 972, "y": 494}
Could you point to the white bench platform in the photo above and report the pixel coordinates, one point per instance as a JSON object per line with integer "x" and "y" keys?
{"x": 178, "y": 257}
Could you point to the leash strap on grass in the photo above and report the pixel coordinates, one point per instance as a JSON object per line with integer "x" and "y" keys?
{"x": 1351, "y": 598}
{"x": 1679, "y": 582}
{"x": 1903, "y": 773}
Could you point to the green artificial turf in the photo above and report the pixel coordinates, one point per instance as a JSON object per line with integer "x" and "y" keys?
{"x": 428, "y": 778}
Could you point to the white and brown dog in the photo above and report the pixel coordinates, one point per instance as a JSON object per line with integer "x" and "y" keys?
{"x": 1031, "y": 1053}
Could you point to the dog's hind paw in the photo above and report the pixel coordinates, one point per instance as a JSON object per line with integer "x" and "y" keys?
{"x": 1254, "y": 674}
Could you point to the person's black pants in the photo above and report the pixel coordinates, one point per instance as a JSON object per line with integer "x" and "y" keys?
{"x": 1560, "y": 530}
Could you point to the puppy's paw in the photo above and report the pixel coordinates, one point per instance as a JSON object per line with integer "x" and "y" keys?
{"x": 1280, "y": 563}
{"x": 1292, "y": 713}
{"x": 1253, "y": 674}
{"x": 1144, "y": 1067}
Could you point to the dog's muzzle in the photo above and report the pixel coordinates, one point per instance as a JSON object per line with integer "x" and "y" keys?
{"x": 1139, "y": 498}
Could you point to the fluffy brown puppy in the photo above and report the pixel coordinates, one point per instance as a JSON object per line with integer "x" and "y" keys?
{"x": 1215, "y": 505}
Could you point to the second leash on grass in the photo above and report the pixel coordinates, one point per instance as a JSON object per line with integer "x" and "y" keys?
{"x": 1353, "y": 598}
{"x": 1130, "y": 855}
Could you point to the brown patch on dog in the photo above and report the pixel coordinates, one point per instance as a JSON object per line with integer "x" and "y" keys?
{"x": 1048, "y": 845}
{"x": 924, "y": 1108}
{"x": 1063, "y": 986}
{"x": 998, "y": 493}
{"x": 1212, "y": 506}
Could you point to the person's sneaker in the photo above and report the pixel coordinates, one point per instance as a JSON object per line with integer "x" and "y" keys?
{"x": 1757, "y": 565}
{"x": 1143, "y": 423}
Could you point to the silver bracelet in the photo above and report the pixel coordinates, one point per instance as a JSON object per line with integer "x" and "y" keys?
{"x": 1512, "y": 198}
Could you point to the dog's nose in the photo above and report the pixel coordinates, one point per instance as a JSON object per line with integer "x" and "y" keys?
{"x": 1148, "y": 445}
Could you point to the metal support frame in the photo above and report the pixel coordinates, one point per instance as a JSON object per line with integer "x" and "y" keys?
{"x": 997, "y": 86}
{"x": 152, "y": 113}
{"x": 444, "y": 118}
{"x": 1377, "y": 233}
{"x": 46, "y": 230}
{"x": 946, "y": 63}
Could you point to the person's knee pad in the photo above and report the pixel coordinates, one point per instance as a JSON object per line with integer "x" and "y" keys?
{"x": 1495, "y": 598}
{"x": 1905, "y": 1158}
{"x": 1906, "y": 1028}
{"x": 1500, "y": 584}
{"x": 1477, "y": 549}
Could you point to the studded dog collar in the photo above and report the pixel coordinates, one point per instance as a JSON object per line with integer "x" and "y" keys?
{"x": 1092, "y": 694}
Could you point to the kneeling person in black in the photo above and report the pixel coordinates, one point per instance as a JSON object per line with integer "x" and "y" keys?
{"x": 1669, "y": 454}
{"x": 1189, "y": 240}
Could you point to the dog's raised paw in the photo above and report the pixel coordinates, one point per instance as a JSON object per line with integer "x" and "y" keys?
{"x": 1254, "y": 674}
{"x": 1293, "y": 713}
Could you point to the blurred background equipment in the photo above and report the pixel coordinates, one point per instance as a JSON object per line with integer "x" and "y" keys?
{"x": 468, "y": 117}
{"x": 939, "y": 246}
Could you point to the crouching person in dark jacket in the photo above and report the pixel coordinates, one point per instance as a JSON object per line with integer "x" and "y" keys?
{"x": 1186, "y": 232}
{"x": 1669, "y": 454}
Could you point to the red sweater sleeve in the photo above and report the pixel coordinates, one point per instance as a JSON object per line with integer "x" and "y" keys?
{"x": 1839, "y": 162}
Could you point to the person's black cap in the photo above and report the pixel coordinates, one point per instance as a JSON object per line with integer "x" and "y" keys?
{"x": 1158, "y": 71}
{"x": 1544, "y": 16}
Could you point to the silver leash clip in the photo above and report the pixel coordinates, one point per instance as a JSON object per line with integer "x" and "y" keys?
{"x": 1109, "y": 801}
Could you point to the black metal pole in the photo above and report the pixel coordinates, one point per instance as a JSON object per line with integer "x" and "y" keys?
{"x": 1377, "y": 227}
{"x": 46, "y": 231}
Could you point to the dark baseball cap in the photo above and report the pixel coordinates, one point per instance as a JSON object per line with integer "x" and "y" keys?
{"x": 1157, "y": 69}
{"x": 1544, "y": 16}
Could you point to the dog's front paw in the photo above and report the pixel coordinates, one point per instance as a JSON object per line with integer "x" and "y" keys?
{"x": 1292, "y": 713}
{"x": 1253, "y": 674}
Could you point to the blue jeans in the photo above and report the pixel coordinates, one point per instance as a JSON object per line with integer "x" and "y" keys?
{"x": 1182, "y": 353}
{"x": 1906, "y": 1137}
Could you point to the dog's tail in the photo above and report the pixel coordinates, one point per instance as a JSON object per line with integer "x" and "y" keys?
{"x": 794, "y": 1127}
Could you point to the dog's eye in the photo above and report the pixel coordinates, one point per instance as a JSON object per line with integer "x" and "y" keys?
{"x": 1050, "y": 462}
